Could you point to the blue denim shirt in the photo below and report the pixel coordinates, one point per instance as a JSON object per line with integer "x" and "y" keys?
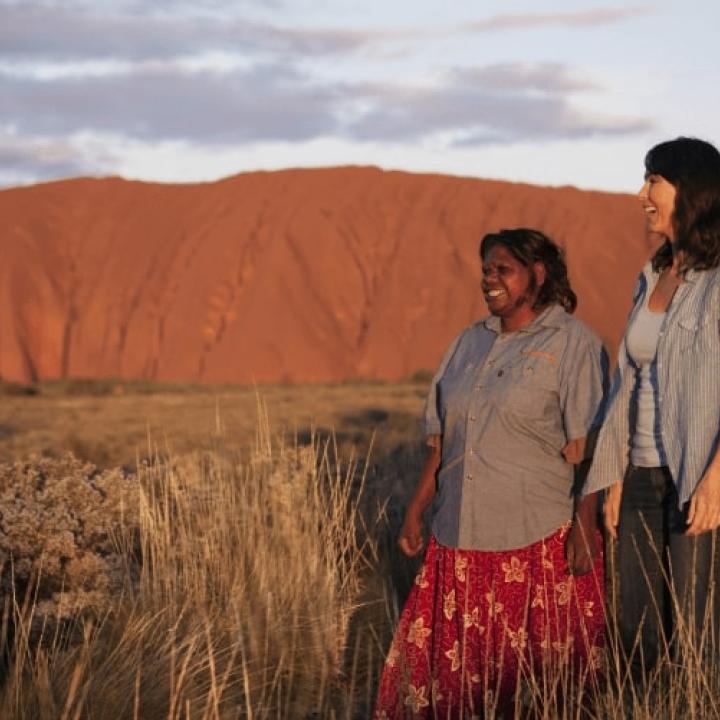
{"x": 506, "y": 404}
{"x": 688, "y": 366}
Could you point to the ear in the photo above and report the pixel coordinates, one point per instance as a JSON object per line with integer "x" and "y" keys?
{"x": 540, "y": 274}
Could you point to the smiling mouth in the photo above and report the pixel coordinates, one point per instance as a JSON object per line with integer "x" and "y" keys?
{"x": 494, "y": 293}
{"x": 649, "y": 209}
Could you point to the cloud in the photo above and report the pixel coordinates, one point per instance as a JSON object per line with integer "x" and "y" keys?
{"x": 496, "y": 104}
{"x": 277, "y": 102}
{"x": 144, "y": 30}
{"x": 24, "y": 160}
{"x": 580, "y": 18}
{"x": 41, "y": 31}
{"x": 266, "y": 102}
{"x": 545, "y": 77}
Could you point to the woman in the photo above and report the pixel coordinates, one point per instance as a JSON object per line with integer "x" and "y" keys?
{"x": 509, "y": 588}
{"x": 657, "y": 452}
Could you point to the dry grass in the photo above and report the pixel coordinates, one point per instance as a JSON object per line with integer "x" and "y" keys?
{"x": 266, "y": 589}
{"x": 251, "y": 570}
{"x": 108, "y": 423}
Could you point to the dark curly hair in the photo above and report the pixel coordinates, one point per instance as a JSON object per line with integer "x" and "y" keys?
{"x": 692, "y": 166}
{"x": 529, "y": 247}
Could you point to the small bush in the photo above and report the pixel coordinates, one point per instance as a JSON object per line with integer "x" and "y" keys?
{"x": 59, "y": 525}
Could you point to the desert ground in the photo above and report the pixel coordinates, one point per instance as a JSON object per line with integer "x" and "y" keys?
{"x": 114, "y": 422}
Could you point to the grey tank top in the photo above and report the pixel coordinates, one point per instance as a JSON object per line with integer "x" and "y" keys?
{"x": 641, "y": 342}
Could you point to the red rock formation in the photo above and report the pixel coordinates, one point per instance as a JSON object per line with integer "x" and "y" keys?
{"x": 298, "y": 275}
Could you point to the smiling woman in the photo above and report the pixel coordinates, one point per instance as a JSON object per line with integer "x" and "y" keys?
{"x": 658, "y": 454}
{"x": 493, "y": 609}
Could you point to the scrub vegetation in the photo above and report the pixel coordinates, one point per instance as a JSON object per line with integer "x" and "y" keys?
{"x": 235, "y": 569}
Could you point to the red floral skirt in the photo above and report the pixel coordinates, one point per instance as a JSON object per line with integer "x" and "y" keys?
{"x": 485, "y": 633}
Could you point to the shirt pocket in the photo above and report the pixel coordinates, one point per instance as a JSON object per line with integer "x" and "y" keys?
{"x": 532, "y": 389}
{"x": 692, "y": 332}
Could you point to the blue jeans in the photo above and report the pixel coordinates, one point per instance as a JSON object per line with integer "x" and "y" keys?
{"x": 663, "y": 572}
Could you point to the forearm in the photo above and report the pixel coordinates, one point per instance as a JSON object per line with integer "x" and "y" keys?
{"x": 425, "y": 490}
{"x": 586, "y": 510}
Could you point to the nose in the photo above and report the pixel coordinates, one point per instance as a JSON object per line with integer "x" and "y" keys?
{"x": 643, "y": 192}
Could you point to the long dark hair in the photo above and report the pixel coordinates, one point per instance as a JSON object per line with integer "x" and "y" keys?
{"x": 528, "y": 247}
{"x": 692, "y": 166}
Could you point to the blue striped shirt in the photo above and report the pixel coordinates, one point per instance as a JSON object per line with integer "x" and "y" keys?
{"x": 688, "y": 366}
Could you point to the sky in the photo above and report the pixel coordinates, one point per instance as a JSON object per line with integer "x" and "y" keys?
{"x": 552, "y": 93}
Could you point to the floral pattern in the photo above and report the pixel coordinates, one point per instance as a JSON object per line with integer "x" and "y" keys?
{"x": 421, "y": 579}
{"x": 418, "y": 633}
{"x": 514, "y": 570}
{"x": 477, "y": 621}
{"x": 449, "y": 605}
{"x": 416, "y": 698}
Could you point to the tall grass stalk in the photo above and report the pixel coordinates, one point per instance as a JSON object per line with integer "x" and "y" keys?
{"x": 240, "y": 606}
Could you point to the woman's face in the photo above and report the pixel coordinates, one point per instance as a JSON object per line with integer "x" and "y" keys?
{"x": 657, "y": 197}
{"x": 509, "y": 287}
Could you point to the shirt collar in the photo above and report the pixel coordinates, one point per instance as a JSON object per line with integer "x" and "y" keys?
{"x": 551, "y": 317}
{"x": 652, "y": 276}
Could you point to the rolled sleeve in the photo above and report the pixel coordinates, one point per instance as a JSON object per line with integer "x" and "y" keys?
{"x": 432, "y": 424}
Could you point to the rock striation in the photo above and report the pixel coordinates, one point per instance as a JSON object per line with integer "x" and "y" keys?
{"x": 289, "y": 276}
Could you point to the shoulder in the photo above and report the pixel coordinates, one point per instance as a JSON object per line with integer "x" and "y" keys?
{"x": 711, "y": 277}
{"x": 468, "y": 336}
{"x": 705, "y": 289}
{"x": 575, "y": 331}
{"x": 488, "y": 326}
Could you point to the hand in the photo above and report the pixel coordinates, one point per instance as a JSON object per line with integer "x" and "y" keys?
{"x": 611, "y": 509}
{"x": 411, "y": 540}
{"x": 704, "y": 512}
{"x": 574, "y": 451}
{"x": 581, "y": 547}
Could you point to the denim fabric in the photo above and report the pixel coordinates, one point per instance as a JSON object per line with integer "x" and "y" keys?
{"x": 663, "y": 572}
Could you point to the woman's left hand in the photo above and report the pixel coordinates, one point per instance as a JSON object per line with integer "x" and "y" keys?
{"x": 574, "y": 451}
{"x": 581, "y": 543}
{"x": 580, "y": 548}
{"x": 704, "y": 512}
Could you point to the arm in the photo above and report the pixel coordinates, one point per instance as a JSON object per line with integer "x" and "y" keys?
{"x": 581, "y": 547}
{"x": 704, "y": 510}
{"x": 410, "y": 540}
{"x": 584, "y": 380}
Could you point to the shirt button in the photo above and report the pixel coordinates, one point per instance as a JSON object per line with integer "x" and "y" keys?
{"x": 472, "y": 418}
{"x": 500, "y": 373}
{"x": 468, "y": 476}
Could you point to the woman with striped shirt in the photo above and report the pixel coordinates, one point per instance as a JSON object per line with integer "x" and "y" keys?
{"x": 657, "y": 453}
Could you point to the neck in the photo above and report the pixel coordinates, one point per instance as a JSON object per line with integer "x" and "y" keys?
{"x": 518, "y": 320}
{"x": 677, "y": 257}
